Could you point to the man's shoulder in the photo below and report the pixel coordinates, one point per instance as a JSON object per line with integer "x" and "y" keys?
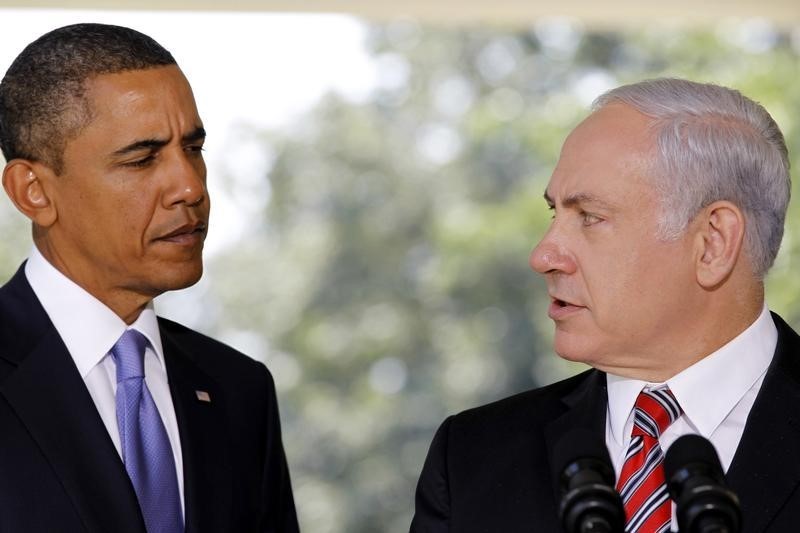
{"x": 524, "y": 411}
{"x": 498, "y": 453}
{"x": 188, "y": 336}
{"x": 23, "y": 320}
{"x": 786, "y": 334}
{"x": 215, "y": 358}
{"x": 15, "y": 289}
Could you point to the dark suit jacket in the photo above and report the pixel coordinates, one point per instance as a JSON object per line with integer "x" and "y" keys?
{"x": 488, "y": 469}
{"x": 60, "y": 472}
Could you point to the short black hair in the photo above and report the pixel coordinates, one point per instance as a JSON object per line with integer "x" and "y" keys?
{"x": 42, "y": 96}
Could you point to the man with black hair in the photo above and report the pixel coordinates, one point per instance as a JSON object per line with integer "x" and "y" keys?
{"x": 111, "y": 418}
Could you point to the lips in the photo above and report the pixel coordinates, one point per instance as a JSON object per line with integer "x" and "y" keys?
{"x": 560, "y": 309}
{"x": 188, "y": 233}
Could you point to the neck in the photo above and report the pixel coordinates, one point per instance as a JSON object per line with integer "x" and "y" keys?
{"x": 710, "y": 327}
{"x": 126, "y": 304}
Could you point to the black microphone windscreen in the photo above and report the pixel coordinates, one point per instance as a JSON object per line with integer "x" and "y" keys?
{"x": 586, "y": 484}
{"x": 703, "y": 502}
{"x": 692, "y": 449}
{"x": 578, "y": 444}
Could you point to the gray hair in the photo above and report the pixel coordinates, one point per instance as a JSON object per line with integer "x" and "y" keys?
{"x": 713, "y": 143}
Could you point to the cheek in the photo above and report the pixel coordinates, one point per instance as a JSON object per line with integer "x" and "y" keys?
{"x": 648, "y": 283}
{"x": 615, "y": 277}
{"x": 131, "y": 218}
{"x": 618, "y": 276}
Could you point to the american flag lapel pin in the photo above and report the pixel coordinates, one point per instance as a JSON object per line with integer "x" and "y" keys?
{"x": 203, "y": 396}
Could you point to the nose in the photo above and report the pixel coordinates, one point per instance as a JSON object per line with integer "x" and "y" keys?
{"x": 187, "y": 181}
{"x": 550, "y": 257}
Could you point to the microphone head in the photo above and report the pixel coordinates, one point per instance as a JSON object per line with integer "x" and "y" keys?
{"x": 697, "y": 485}
{"x": 586, "y": 484}
{"x": 696, "y": 453}
{"x": 581, "y": 447}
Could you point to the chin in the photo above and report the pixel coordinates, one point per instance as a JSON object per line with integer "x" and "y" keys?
{"x": 575, "y": 357}
{"x": 177, "y": 278}
{"x": 574, "y": 350}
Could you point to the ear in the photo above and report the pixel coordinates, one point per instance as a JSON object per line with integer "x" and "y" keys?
{"x": 720, "y": 237}
{"x": 24, "y": 182}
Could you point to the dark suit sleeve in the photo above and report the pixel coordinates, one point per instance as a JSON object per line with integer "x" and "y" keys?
{"x": 432, "y": 502}
{"x": 279, "y": 515}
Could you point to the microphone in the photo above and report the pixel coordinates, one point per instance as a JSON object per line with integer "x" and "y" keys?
{"x": 704, "y": 503}
{"x": 589, "y": 503}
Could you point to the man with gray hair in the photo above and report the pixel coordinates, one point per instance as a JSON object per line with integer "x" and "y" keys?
{"x": 668, "y": 208}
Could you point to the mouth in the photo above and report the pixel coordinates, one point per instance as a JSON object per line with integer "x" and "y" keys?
{"x": 187, "y": 234}
{"x": 562, "y": 303}
{"x": 560, "y": 309}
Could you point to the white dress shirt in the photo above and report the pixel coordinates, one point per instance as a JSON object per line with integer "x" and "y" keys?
{"x": 89, "y": 329}
{"x": 716, "y": 395}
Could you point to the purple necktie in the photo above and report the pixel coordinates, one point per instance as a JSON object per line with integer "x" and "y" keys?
{"x": 145, "y": 447}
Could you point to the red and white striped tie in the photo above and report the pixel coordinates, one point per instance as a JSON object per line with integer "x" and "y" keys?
{"x": 641, "y": 482}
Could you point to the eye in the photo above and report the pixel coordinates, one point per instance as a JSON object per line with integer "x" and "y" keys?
{"x": 588, "y": 219}
{"x": 195, "y": 149}
{"x": 142, "y": 162}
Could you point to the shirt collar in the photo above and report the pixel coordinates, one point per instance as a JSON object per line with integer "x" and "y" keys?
{"x": 741, "y": 361}
{"x": 87, "y": 326}
{"x": 622, "y": 393}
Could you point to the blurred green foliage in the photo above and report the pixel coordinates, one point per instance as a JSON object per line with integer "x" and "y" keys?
{"x": 385, "y": 282}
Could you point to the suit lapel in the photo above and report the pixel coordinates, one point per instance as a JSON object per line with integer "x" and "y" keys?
{"x": 765, "y": 470}
{"x": 586, "y": 409}
{"x": 204, "y": 444}
{"x": 48, "y": 395}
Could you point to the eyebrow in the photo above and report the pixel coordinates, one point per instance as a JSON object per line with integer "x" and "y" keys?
{"x": 579, "y": 198}
{"x": 198, "y": 134}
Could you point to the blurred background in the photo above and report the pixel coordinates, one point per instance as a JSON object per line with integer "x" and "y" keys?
{"x": 377, "y": 183}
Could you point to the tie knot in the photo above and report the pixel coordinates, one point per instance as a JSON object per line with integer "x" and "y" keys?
{"x": 128, "y": 354}
{"x": 654, "y": 411}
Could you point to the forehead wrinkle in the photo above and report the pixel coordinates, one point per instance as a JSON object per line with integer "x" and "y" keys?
{"x": 580, "y": 199}
{"x": 584, "y": 198}
{"x": 144, "y": 144}
{"x": 197, "y": 134}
